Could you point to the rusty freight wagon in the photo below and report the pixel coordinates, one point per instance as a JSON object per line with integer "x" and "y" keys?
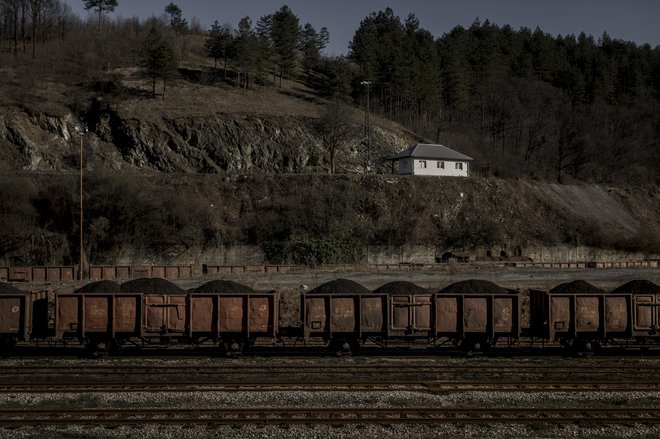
{"x": 155, "y": 311}
{"x": 14, "y": 315}
{"x": 475, "y": 314}
{"x": 645, "y": 301}
{"x": 343, "y": 313}
{"x": 580, "y": 316}
{"x": 232, "y": 313}
{"x": 99, "y": 315}
{"x": 472, "y": 314}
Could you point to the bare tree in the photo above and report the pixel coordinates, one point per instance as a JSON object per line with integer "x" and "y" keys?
{"x": 334, "y": 128}
{"x": 568, "y": 137}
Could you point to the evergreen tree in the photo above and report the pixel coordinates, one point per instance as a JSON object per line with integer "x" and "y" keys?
{"x": 248, "y": 48}
{"x": 178, "y": 24}
{"x": 284, "y": 34}
{"x": 100, "y": 6}
{"x": 158, "y": 60}
{"x": 311, "y": 45}
{"x": 218, "y": 44}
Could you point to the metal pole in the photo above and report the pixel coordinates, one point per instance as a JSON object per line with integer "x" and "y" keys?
{"x": 80, "y": 268}
{"x": 367, "y": 128}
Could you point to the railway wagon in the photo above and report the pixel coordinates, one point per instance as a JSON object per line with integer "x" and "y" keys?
{"x": 472, "y": 315}
{"x": 581, "y": 316}
{"x": 14, "y": 315}
{"x": 645, "y": 301}
{"x": 343, "y": 313}
{"x": 155, "y": 311}
{"x": 475, "y": 314}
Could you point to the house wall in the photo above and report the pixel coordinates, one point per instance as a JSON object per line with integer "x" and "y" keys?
{"x": 430, "y": 167}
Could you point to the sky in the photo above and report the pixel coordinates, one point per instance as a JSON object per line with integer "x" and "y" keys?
{"x": 631, "y": 20}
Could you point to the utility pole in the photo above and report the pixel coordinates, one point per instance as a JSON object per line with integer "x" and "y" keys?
{"x": 81, "y": 133}
{"x": 367, "y": 128}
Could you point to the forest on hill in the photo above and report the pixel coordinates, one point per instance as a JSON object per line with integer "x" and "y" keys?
{"x": 258, "y": 101}
{"x": 523, "y": 102}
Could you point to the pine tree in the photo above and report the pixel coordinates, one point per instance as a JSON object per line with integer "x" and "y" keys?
{"x": 218, "y": 44}
{"x": 178, "y": 24}
{"x": 100, "y": 6}
{"x": 158, "y": 60}
{"x": 285, "y": 35}
{"x": 311, "y": 45}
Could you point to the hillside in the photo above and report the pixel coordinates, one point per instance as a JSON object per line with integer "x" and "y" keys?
{"x": 315, "y": 219}
{"x": 229, "y": 131}
{"x": 233, "y": 166}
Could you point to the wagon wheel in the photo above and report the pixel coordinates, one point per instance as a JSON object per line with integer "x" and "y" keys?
{"x": 114, "y": 345}
{"x": 342, "y": 346}
{"x": 472, "y": 346}
{"x": 233, "y": 347}
{"x": 96, "y": 348}
{"x": 580, "y": 347}
{"x": 7, "y": 343}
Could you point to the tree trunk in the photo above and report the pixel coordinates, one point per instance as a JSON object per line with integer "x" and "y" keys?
{"x": 164, "y": 83}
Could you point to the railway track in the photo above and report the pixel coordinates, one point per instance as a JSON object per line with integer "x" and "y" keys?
{"x": 335, "y": 369}
{"x": 334, "y": 416}
{"x": 325, "y": 386}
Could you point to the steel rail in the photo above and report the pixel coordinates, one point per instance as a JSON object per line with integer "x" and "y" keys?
{"x": 336, "y": 415}
{"x": 334, "y": 368}
{"x": 316, "y": 386}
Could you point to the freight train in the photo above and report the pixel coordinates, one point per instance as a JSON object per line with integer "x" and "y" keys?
{"x": 473, "y": 315}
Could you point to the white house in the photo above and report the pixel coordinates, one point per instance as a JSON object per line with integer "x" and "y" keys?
{"x": 428, "y": 159}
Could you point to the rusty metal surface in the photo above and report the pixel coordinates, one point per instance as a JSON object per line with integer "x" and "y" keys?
{"x": 67, "y": 316}
{"x": 164, "y": 313}
{"x": 202, "y": 314}
{"x": 504, "y": 314}
{"x": 475, "y": 314}
{"x": 231, "y": 314}
{"x": 261, "y": 314}
{"x": 616, "y": 314}
{"x": 126, "y": 314}
{"x": 560, "y": 319}
{"x": 342, "y": 314}
{"x": 646, "y": 314}
{"x": 96, "y": 313}
{"x": 410, "y": 312}
{"x": 315, "y": 317}
{"x": 587, "y": 314}
{"x": 12, "y": 311}
{"x": 447, "y": 316}
{"x": 371, "y": 314}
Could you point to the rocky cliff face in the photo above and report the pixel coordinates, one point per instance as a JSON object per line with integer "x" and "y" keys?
{"x": 215, "y": 143}
{"x": 270, "y": 200}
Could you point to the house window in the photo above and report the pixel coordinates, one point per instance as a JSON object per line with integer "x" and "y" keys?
{"x": 422, "y": 164}
{"x": 441, "y": 165}
{"x": 459, "y": 166}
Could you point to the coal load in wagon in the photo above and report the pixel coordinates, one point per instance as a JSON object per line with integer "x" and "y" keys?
{"x": 400, "y": 287}
{"x": 223, "y": 287}
{"x": 151, "y": 286}
{"x": 100, "y": 287}
{"x": 474, "y": 286}
{"x": 576, "y": 287}
{"x": 638, "y": 287}
{"x": 340, "y": 286}
{"x": 9, "y": 289}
